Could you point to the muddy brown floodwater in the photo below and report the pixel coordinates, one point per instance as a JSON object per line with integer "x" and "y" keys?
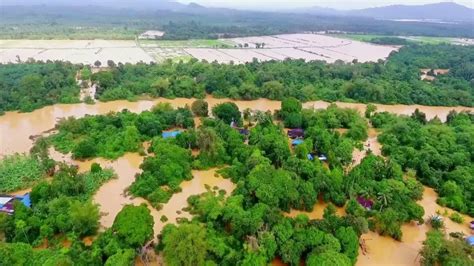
{"x": 317, "y": 213}
{"x": 371, "y": 144}
{"x": 383, "y": 250}
{"x": 111, "y": 196}
{"x": 16, "y": 128}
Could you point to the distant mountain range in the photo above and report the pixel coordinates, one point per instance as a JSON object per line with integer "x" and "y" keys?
{"x": 445, "y": 11}
{"x": 129, "y": 4}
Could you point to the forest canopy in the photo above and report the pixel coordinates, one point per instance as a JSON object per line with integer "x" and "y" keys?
{"x": 29, "y": 86}
{"x": 26, "y": 87}
{"x": 394, "y": 81}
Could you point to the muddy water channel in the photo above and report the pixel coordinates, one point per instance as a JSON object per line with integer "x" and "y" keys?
{"x": 112, "y": 195}
{"x": 17, "y": 128}
{"x": 386, "y": 251}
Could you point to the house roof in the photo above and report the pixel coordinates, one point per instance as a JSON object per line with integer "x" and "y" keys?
{"x": 171, "y": 134}
{"x": 296, "y": 141}
{"x": 470, "y": 240}
{"x": 5, "y": 199}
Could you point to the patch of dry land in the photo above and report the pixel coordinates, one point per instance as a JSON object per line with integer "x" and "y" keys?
{"x": 75, "y": 51}
{"x": 294, "y": 46}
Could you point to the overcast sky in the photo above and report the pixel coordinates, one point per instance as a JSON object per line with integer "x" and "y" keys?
{"x": 339, "y": 4}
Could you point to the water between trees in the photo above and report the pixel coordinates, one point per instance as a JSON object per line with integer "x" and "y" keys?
{"x": 17, "y": 129}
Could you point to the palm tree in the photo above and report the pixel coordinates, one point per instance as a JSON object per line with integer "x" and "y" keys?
{"x": 384, "y": 199}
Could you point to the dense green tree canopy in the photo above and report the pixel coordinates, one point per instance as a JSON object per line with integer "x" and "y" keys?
{"x": 185, "y": 245}
{"x": 441, "y": 154}
{"x": 134, "y": 225}
{"x": 26, "y": 87}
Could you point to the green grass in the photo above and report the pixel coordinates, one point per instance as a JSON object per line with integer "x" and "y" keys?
{"x": 188, "y": 43}
{"x": 359, "y": 37}
{"x": 419, "y": 39}
{"x": 430, "y": 40}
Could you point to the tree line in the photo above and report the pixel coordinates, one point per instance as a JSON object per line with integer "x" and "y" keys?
{"x": 29, "y": 86}
{"x": 76, "y": 22}
{"x": 395, "y": 81}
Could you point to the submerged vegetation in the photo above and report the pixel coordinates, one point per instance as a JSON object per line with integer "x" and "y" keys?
{"x": 305, "y": 188}
{"x": 439, "y": 249}
{"x": 113, "y": 134}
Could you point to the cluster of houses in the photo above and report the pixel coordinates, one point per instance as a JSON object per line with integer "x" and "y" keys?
{"x": 7, "y": 202}
{"x": 297, "y": 135}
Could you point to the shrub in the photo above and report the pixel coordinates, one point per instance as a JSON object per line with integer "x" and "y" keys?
{"x": 456, "y": 217}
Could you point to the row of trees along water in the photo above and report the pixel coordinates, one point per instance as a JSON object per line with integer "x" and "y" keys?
{"x": 29, "y": 86}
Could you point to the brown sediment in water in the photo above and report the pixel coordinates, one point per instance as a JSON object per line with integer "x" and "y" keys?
{"x": 111, "y": 196}
{"x": 195, "y": 186}
{"x": 318, "y": 211}
{"x": 371, "y": 144}
{"x": 382, "y": 250}
{"x": 16, "y": 128}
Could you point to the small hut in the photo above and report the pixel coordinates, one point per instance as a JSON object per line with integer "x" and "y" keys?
{"x": 6, "y": 202}
{"x": 296, "y": 133}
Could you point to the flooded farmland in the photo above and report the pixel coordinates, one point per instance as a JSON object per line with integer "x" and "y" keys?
{"x": 74, "y": 51}
{"x": 238, "y": 50}
{"x": 294, "y": 46}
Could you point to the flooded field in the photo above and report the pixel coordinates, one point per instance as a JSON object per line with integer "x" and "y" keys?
{"x": 238, "y": 50}
{"x": 294, "y": 46}
{"x": 318, "y": 211}
{"x": 75, "y": 51}
{"x": 370, "y": 144}
{"x": 16, "y": 129}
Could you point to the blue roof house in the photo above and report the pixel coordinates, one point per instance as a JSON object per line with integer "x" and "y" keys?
{"x": 171, "y": 134}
